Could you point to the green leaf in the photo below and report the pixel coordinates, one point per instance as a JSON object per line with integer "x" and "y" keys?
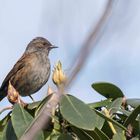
{"x": 102, "y": 135}
{"x": 135, "y": 138}
{"x": 47, "y": 134}
{"x": 107, "y": 130}
{"x": 115, "y": 105}
{"x": 1, "y": 135}
{"x": 108, "y": 90}
{"x": 96, "y": 134}
{"x": 9, "y": 133}
{"x": 4, "y": 121}
{"x": 119, "y": 136}
{"x": 42, "y": 103}
{"x": 56, "y": 123}
{"x": 121, "y": 116}
{"x": 138, "y": 128}
{"x": 65, "y": 137}
{"x": 110, "y": 120}
{"x": 33, "y": 105}
{"x": 54, "y": 135}
{"x": 133, "y": 102}
{"x": 100, "y": 104}
{"x": 78, "y": 113}
{"x": 91, "y": 134}
{"x": 99, "y": 122}
{"x": 21, "y": 119}
{"x": 59, "y": 136}
{"x": 125, "y": 112}
{"x": 131, "y": 118}
{"x": 83, "y": 135}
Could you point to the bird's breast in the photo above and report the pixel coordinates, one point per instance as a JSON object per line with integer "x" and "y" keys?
{"x": 35, "y": 75}
{"x": 40, "y": 73}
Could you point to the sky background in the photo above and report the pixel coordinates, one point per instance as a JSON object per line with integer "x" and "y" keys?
{"x": 66, "y": 24}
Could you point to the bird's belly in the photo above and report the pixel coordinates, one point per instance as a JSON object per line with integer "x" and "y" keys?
{"x": 33, "y": 81}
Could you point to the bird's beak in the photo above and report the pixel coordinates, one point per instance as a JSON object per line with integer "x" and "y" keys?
{"x": 53, "y": 47}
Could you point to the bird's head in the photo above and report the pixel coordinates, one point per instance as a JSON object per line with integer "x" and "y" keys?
{"x": 39, "y": 44}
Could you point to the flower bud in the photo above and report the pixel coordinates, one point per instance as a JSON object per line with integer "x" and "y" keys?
{"x": 58, "y": 77}
{"x": 12, "y": 93}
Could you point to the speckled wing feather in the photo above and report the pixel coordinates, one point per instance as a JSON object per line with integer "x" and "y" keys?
{"x": 17, "y": 67}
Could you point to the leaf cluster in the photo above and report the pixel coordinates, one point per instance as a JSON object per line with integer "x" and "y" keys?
{"x": 115, "y": 118}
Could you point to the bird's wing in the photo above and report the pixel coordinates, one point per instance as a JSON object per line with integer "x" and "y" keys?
{"x": 21, "y": 63}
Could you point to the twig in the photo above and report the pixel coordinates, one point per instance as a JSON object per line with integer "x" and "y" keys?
{"x": 90, "y": 43}
{"x": 6, "y": 108}
{"x": 42, "y": 120}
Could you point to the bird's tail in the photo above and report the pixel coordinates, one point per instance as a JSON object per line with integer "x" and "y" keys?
{"x": 2, "y": 94}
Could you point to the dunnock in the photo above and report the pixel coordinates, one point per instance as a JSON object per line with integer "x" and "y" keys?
{"x": 31, "y": 71}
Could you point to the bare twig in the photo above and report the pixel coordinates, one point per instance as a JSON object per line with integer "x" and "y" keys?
{"x": 6, "y": 108}
{"x": 90, "y": 43}
{"x": 43, "y": 118}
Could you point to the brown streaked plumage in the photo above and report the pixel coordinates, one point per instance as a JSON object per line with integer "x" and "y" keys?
{"x": 31, "y": 71}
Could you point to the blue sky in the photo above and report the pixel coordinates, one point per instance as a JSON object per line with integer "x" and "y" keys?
{"x": 67, "y": 24}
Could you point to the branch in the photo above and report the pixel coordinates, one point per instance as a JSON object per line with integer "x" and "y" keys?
{"x": 43, "y": 118}
{"x": 90, "y": 43}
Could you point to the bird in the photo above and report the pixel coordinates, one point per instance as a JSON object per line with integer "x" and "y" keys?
{"x": 31, "y": 71}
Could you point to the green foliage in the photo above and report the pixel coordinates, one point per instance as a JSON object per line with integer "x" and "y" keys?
{"x": 133, "y": 102}
{"x": 108, "y": 90}
{"x": 115, "y": 118}
{"x": 82, "y": 114}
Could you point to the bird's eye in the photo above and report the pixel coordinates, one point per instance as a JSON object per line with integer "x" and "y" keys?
{"x": 44, "y": 43}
